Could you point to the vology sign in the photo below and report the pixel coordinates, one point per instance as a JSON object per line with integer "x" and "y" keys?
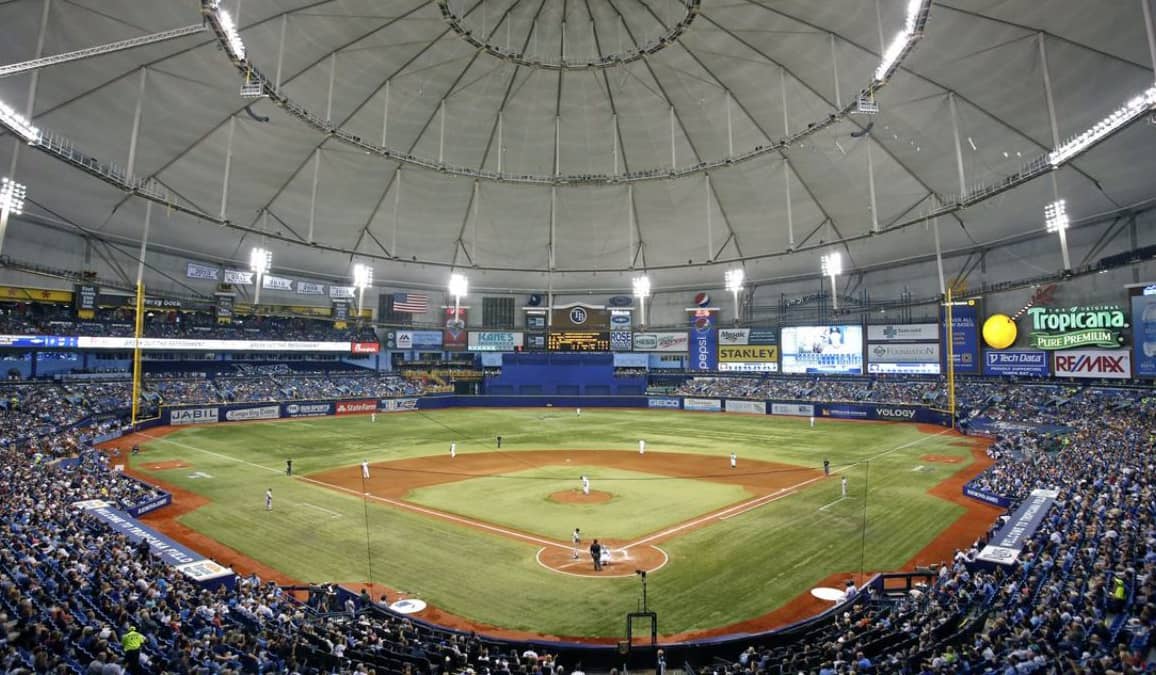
{"x": 1054, "y": 328}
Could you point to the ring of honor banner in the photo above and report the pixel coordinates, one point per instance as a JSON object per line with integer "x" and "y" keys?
{"x": 340, "y": 311}
{"x": 703, "y": 339}
{"x": 223, "y": 307}
{"x": 84, "y": 301}
{"x": 964, "y": 336}
{"x": 454, "y": 337}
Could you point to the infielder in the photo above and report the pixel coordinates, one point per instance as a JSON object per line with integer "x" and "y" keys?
{"x": 576, "y": 540}
{"x": 269, "y": 499}
{"x": 844, "y": 485}
{"x": 453, "y": 449}
{"x": 365, "y": 469}
{"x": 641, "y": 447}
{"x": 734, "y": 460}
{"x": 585, "y": 485}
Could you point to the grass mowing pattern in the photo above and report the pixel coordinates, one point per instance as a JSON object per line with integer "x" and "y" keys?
{"x": 733, "y": 570}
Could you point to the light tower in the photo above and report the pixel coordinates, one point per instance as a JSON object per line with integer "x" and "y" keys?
{"x": 642, "y": 292}
{"x": 832, "y": 266}
{"x": 734, "y": 281}
{"x": 260, "y": 261}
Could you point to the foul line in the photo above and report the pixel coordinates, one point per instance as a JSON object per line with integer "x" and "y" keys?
{"x": 162, "y": 439}
{"x": 332, "y": 514}
{"x": 752, "y": 504}
{"x": 827, "y": 506}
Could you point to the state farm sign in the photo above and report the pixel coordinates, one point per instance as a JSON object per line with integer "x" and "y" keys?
{"x": 351, "y": 407}
{"x": 1094, "y": 364}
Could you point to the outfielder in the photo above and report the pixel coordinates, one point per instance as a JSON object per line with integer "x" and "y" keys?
{"x": 269, "y": 499}
{"x": 372, "y": 417}
{"x": 576, "y": 540}
{"x": 812, "y": 421}
{"x": 734, "y": 460}
{"x": 641, "y": 447}
{"x": 844, "y": 485}
{"x": 365, "y": 469}
{"x": 585, "y": 485}
{"x": 578, "y": 411}
{"x": 453, "y": 449}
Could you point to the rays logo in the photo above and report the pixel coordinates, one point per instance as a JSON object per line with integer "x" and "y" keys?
{"x": 578, "y": 316}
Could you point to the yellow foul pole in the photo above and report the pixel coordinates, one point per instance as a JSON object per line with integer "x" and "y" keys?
{"x": 950, "y": 330}
{"x": 136, "y": 369}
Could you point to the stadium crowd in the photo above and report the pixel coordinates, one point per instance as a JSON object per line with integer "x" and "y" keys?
{"x": 77, "y": 598}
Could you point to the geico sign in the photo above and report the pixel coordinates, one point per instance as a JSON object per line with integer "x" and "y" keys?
{"x": 895, "y": 413}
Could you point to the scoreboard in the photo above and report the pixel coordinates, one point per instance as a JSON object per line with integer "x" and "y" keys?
{"x": 574, "y": 341}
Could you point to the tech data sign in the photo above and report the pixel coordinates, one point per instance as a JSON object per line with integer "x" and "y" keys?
{"x": 1094, "y": 364}
{"x": 1067, "y": 328}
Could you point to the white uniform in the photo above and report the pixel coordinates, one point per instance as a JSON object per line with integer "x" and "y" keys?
{"x": 578, "y": 411}
{"x": 372, "y": 417}
{"x": 844, "y": 484}
{"x": 642, "y": 447}
{"x": 734, "y": 460}
{"x": 453, "y": 449}
{"x": 269, "y": 500}
{"x": 585, "y": 485}
{"x": 576, "y": 540}
{"x": 812, "y": 421}
{"x": 365, "y": 469}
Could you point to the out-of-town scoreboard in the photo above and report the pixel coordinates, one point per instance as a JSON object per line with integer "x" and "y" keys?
{"x": 579, "y": 341}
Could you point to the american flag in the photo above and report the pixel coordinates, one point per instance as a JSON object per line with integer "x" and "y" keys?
{"x": 411, "y": 303}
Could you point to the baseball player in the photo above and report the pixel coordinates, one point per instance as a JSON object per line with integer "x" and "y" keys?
{"x": 844, "y": 485}
{"x": 641, "y": 447}
{"x": 826, "y": 467}
{"x": 576, "y": 540}
{"x": 578, "y": 412}
{"x": 372, "y": 417}
{"x": 812, "y": 421}
{"x": 734, "y": 460}
{"x": 269, "y": 499}
{"x": 365, "y": 469}
{"x": 585, "y": 485}
{"x": 453, "y": 449}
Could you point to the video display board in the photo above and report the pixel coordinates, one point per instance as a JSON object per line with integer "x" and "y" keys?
{"x": 834, "y": 349}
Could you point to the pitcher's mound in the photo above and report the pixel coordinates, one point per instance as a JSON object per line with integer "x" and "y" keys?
{"x": 576, "y": 497}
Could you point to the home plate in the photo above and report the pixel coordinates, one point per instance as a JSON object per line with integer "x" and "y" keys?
{"x": 828, "y": 594}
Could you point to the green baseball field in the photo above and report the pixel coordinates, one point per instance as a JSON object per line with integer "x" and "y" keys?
{"x": 486, "y": 535}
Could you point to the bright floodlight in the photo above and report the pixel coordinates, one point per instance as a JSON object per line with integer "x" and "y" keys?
{"x": 832, "y": 264}
{"x": 459, "y": 285}
{"x": 1119, "y": 118}
{"x": 18, "y": 124}
{"x": 734, "y": 279}
{"x": 642, "y": 287}
{"x": 229, "y": 27}
{"x": 362, "y": 276}
{"x": 1056, "y": 216}
{"x": 260, "y": 260}
{"x": 912, "y": 26}
{"x": 12, "y": 197}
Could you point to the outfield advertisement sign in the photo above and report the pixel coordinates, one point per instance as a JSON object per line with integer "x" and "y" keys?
{"x": 307, "y": 409}
{"x": 748, "y": 358}
{"x": 265, "y": 412}
{"x": 964, "y": 336}
{"x": 417, "y": 339}
{"x": 982, "y": 495}
{"x": 913, "y": 358}
{"x": 631, "y": 360}
{"x": 903, "y": 332}
{"x": 667, "y": 403}
{"x": 493, "y": 341}
{"x": 1112, "y": 364}
{"x": 212, "y": 345}
{"x": 183, "y": 416}
{"x": 661, "y": 342}
{"x": 397, "y": 404}
{"x": 823, "y": 349}
{"x": 1068, "y": 327}
{"x": 795, "y": 409}
{"x": 1016, "y": 363}
{"x": 358, "y": 406}
{"x": 746, "y": 407}
{"x": 1005, "y": 547}
{"x": 703, "y": 339}
{"x": 702, "y": 404}
{"x": 892, "y": 413}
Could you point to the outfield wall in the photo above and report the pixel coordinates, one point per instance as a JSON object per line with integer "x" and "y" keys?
{"x": 191, "y": 415}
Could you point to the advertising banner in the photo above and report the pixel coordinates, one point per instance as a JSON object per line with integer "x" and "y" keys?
{"x": 795, "y": 409}
{"x": 964, "y": 335}
{"x": 903, "y": 332}
{"x": 307, "y": 409}
{"x": 746, "y": 407}
{"x": 454, "y": 335}
{"x": 265, "y": 412}
{"x": 749, "y": 367}
{"x": 668, "y": 403}
{"x": 747, "y": 354}
{"x": 238, "y": 278}
{"x": 707, "y": 404}
{"x": 138, "y": 510}
{"x": 491, "y": 360}
{"x": 631, "y": 360}
{"x": 272, "y": 283}
{"x": 1115, "y": 364}
{"x": 418, "y": 339}
{"x": 823, "y": 349}
{"x": 703, "y": 340}
{"x": 198, "y": 271}
{"x": 182, "y": 416}
{"x": 397, "y": 404}
{"x": 365, "y": 347}
{"x": 970, "y": 490}
{"x": 354, "y": 407}
{"x": 341, "y": 292}
{"x": 223, "y": 306}
{"x": 164, "y": 548}
{"x": 493, "y": 341}
{"x": 734, "y": 336}
{"x": 763, "y": 336}
{"x": 620, "y": 319}
{"x": 661, "y": 342}
{"x": 535, "y": 342}
{"x": 211, "y": 345}
{"x": 1144, "y": 333}
{"x": 621, "y": 341}
{"x": 1005, "y": 547}
{"x": 1015, "y": 363}
{"x": 310, "y": 288}
{"x": 913, "y": 357}
{"x": 1064, "y": 328}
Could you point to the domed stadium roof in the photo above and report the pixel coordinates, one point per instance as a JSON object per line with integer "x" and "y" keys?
{"x": 577, "y": 140}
